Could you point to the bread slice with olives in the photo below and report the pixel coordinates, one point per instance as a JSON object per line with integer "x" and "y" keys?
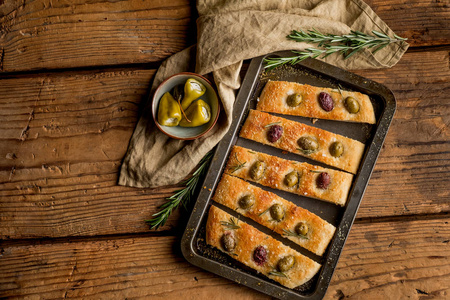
{"x": 299, "y": 178}
{"x": 257, "y": 250}
{"x": 291, "y": 98}
{"x": 318, "y": 144}
{"x": 284, "y": 217}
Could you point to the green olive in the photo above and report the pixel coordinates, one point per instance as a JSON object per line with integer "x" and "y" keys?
{"x": 336, "y": 149}
{"x": 277, "y": 212}
{"x": 246, "y": 202}
{"x": 308, "y": 143}
{"x": 294, "y": 100}
{"x": 351, "y": 105}
{"x": 286, "y": 263}
{"x": 301, "y": 228}
{"x": 228, "y": 241}
{"x": 291, "y": 179}
{"x": 257, "y": 170}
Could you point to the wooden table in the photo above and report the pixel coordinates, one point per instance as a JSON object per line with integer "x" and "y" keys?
{"x": 74, "y": 75}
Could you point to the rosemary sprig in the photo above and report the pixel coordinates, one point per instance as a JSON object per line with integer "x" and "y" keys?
{"x": 277, "y": 273}
{"x": 230, "y": 225}
{"x": 238, "y": 166}
{"x": 294, "y": 234}
{"x": 271, "y": 124}
{"x": 273, "y": 62}
{"x": 182, "y": 196}
{"x": 347, "y": 45}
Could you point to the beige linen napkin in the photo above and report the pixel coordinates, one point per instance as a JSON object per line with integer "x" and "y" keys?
{"x": 229, "y": 32}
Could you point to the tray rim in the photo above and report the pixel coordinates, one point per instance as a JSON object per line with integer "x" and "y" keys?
{"x": 356, "y": 193}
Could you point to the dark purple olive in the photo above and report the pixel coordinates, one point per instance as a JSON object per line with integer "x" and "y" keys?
{"x": 323, "y": 180}
{"x": 326, "y": 102}
{"x": 260, "y": 255}
{"x": 274, "y": 133}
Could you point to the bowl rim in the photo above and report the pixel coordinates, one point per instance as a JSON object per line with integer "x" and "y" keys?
{"x": 187, "y": 138}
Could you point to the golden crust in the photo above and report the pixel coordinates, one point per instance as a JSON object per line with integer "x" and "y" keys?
{"x": 248, "y": 238}
{"x": 255, "y": 128}
{"x": 320, "y": 232}
{"x": 274, "y": 95}
{"x": 241, "y": 160}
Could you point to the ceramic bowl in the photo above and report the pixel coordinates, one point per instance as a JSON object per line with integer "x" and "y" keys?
{"x": 210, "y": 97}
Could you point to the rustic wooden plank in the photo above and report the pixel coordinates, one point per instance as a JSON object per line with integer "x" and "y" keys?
{"x": 424, "y": 23}
{"x": 112, "y": 269}
{"x": 417, "y": 147}
{"x": 64, "y": 135}
{"x": 59, "y": 34}
{"x": 62, "y": 143}
{"x": 53, "y": 34}
{"x": 393, "y": 260}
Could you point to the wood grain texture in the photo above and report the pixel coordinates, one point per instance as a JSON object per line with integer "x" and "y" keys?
{"x": 424, "y": 23}
{"x": 45, "y": 34}
{"x": 57, "y": 34}
{"x": 142, "y": 267}
{"x": 392, "y": 260}
{"x": 417, "y": 147}
{"x": 64, "y": 135}
{"x": 62, "y": 143}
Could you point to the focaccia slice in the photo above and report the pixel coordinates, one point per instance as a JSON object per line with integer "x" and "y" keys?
{"x": 258, "y": 125}
{"x": 274, "y": 98}
{"x": 257, "y": 250}
{"x": 297, "y": 224}
{"x": 313, "y": 181}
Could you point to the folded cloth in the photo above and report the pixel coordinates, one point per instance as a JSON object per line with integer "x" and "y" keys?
{"x": 229, "y": 32}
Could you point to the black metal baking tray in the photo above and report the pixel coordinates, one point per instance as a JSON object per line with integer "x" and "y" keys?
{"x": 313, "y": 72}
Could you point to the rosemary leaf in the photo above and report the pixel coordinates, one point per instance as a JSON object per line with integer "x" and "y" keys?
{"x": 231, "y": 225}
{"x": 339, "y": 89}
{"x": 294, "y": 234}
{"x": 379, "y": 48}
{"x": 277, "y": 273}
{"x": 237, "y": 166}
{"x": 182, "y": 196}
{"x": 263, "y": 212}
{"x": 314, "y": 171}
{"x": 271, "y": 124}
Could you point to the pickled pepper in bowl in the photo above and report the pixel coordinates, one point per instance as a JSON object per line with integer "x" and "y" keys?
{"x": 193, "y": 89}
{"x": 169, "y": 112}
{"x": 198, "y": 113}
